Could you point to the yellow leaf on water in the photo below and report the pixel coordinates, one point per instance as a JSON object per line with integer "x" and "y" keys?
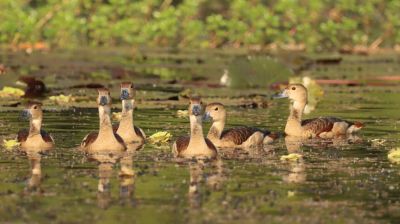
{"x": 11, "y": 92}
{"x": 394, "y": 155}
{"x": 160, "y": 137}
{"x": 291, "y": 194}
{"x": 63, "y": 99}
{"x": 10, "y": 144}
{"x": 117, "y": 116}
{"x": 182, "y": 113}
{"x": 291, "y": 157}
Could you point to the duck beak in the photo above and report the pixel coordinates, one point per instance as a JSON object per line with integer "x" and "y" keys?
{"x": 207, "y": 116}
{"x": 124, "y": 94}
{"x": 196, "y": 110}
{"x": 103, "y": 100}
{"x": 26, "y": 114}
{"x": 281, "y": 95}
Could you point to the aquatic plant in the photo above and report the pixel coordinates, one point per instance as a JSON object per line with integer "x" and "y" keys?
{"x": 313, "y": 25}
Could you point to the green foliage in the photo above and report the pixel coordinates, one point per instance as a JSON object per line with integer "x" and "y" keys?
{"x": 317, "y": 24}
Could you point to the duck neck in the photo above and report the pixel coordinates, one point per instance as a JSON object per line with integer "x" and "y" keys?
{"x": 105, "y": 121}
{"x": 35, "y": 126}
{"x": 216, "y": 130}
{"x": 294, "y": 120}
{"x": 127, "y": 115}
{"x": 196, "y": 131}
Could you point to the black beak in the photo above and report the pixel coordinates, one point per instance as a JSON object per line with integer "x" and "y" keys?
{"x": 103, "y": 100}
{"x": 207, "y": 116}
{"x": 26, "y": 115}
{"x": 124, "y": 94}
{"x": 196, "y": 110}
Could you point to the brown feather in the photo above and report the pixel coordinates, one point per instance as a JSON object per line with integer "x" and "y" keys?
{"x": 46, "y": 137}
{"x": 138, "y": 132}
{"x": 238, "y": 135}
{"x": 119, "y": 139}
{"x": 320, "y": 125}
{"x": 210, "y": 145}
{"x": 22, "y": 135}
{"x": 90, "y": 138}
{"x": 182, "y": 143}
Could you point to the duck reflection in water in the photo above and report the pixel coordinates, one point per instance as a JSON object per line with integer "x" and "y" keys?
{"x": 106, "y": 162}
{"x": 200, "y": 175}
{"x": 33, "y": 142}
{"x": 297, "y": 169}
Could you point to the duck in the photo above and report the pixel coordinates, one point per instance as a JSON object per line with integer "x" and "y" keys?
{"x": 239, "y": 137}
{"x": 195, "y": 145}
{"x": 35, "y": 138}
{"x": 322, "y": 127}
{"x": 126, "y": 129}
{"x": 105, "y": 139}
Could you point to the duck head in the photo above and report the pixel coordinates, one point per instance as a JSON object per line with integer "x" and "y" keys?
{"x": 33, "y": 110}
{"x": 215, "y": 111}
{"x": 127, "y": 91}
{"x": 295, "y": 92}
{"x": 104, "y": 98}
{"x": 195, "y": 107}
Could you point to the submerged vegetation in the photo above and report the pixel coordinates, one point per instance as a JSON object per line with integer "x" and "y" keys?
{"x": 313, "y": 24}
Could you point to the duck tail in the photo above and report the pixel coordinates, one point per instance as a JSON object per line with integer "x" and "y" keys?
{"x": 270, "y": 137}
{"x": 354, "y": 127}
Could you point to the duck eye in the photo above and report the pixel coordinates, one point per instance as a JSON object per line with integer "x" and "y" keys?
{"x": 216, "y": 109}
{"x": 293, "y": 88}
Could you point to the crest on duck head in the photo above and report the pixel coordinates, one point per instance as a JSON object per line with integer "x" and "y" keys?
{"x": 195, "y": 100}
{"x": 127, "y": 85}
{"x": 103, "y": 91}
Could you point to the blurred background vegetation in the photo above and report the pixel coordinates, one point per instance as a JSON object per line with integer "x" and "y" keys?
{"x": 313, "y": 25}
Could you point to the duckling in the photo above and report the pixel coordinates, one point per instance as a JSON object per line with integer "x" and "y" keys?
{"x": 323, "y": 127}
{"x": 105, "y": 139}
{"x": 35, "y": 138}
{"x": 194, "y": 145}
{"x": 240, "y": 137}
{"x": 128, "y": 132}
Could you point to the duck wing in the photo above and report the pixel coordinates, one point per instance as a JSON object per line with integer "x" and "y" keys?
{"x": 46, "y": 136}
{"x": 238, "y": 135}
{"x": 89, "y": 138}
{"x": 320, "y": 125}
{"x": 182, "y": 143}
{"x": 22, "y": 135}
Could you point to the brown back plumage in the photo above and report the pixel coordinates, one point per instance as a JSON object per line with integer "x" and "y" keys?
{"x": 238, "y": 135}
{"x": 90, "y": 138}
{"x": 210, "y": 145}
{"x": 320, "y": 125}
{"x": 22, "y": 135}
{"x": 46, "y": 137}
{"x": 182, "y": 143}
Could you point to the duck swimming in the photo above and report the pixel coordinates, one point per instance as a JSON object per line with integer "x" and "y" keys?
{"x": 105, "y": 139}
{"x": 35, "y": 138}
{"x": 242, "y": 137}
{"x": 194, "y": 145}
{"x": 322, "y": 127}
{"x": 128, "y": 132}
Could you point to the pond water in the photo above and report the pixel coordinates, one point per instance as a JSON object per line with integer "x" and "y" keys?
{"x": 348, "y": 181}
{"x": 343, "y": 181}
